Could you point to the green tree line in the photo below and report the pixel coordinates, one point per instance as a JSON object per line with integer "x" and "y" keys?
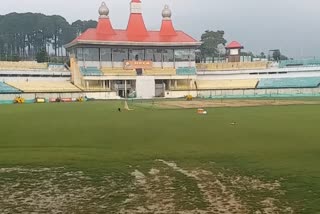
{"x": 24, "y": 35}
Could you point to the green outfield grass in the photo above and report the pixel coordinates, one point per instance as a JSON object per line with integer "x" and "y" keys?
{"x": 268, "y": 143}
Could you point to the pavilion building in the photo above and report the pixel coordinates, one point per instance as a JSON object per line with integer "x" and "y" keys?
{"x": 135, "y": 61}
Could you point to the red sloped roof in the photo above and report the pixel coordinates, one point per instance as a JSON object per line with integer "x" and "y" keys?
{"x": 121, "y": 36}
{"x": 167, "y": 28}
{"x": 233, "y": 45}
{"x": 136, "y": 32}
{"x": 136, "y": 26}
{"x": 105, "y": 27}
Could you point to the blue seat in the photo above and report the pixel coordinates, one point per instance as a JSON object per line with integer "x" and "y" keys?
{"x": 299, "y": 82}
{"x": 90, "y": 71}
{"x": 7, "y": 89}
{"x": 298, "y": 63}
{"x": 186, "y": 71}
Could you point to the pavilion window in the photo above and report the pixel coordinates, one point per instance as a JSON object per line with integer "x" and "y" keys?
{"x": 154, "y": 55}
{"x": 136, "y": 54}
{"x": 79, "y": 54}
{"x": 192, "y": 55}
{"x": 182, "y": 55}
{"x": 91, "y": 54}
{"x": 105, "y": 54}
{"x": 168, "y": 55}
{"x": 119, "y": 55}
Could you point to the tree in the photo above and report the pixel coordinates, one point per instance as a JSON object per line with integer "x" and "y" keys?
{"x": 283, "y": 57}
{"x": 247, "y": 54}
{"x": 262, "y": 55}
{"x": 42, "y": 56}
{"x": 25, "y": 35}
{"x": 210, "y": 41}
{"x": 276, "y": 55}
{"x": 81, "y": 26}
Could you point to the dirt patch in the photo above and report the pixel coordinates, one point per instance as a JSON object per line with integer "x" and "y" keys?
{"x": 164, "y": 188}
{"x": 230, "y": 103}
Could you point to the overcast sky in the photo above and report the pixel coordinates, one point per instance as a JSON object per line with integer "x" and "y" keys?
{"x": 290, "y": 25}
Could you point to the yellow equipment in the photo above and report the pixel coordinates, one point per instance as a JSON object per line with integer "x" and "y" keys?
{"x": 19, "y": 100}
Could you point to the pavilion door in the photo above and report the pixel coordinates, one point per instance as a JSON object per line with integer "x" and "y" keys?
{"x": 160, "y": 89}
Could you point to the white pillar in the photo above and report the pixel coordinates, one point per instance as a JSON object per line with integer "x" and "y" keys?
{"x": 191, "y": 84}
{"x": 87, "y": 84}
{"x": 175, "y": 84}
{"x": 125, "y": 88}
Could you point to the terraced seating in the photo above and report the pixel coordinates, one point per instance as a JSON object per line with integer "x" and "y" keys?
{"x": 297, "y": 63}
{"x": 7, "y": 89}
{"x": 23, "y": 65}
{"x": 186, "y": 71}
{"x": 232, "y": 66}
{"x": 299, "y": 82}
{"x": 226, "y": 84}
{"x": 90, "y": 71}
{"x": 44, "y": 86}
{"x": 118, "y": 72}
{"x": 57, "y": 67}
{"x": 160, "y": 72}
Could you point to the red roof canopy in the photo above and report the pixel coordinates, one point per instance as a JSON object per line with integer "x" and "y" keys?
{"x": 135, "y": 34}
{"x": 234, "y": 45}
{"x": 122, "y": 36}
{"x": 167, "y": 28}
{"x": 136, "y": 26}
{"x": 105, "y": 27}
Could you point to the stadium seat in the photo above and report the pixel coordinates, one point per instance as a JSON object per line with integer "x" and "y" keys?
{"x": 56, "y": 67}
{"x": 7, "y": 89}
{"x": 90, "y": 71}
{"x": 118, "y": 72}
{"x": 160, "y": 72}
{"x": 299, "y": 82}
{"x": 44, "y": 86}
{"x": 232, "y": 66}
{"x": 298, "y": 63}
{"x": 22, "y": 66}
{"x": 186, "y": 71}
{"x": 226, "y": 84}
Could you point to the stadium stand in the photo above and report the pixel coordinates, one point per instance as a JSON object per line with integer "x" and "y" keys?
{"x": 298, "y": 82}
{"x": 7, "y": 89}
{"x": 57, "y": 67}
{"x": 160, "y": 71}
{"x": 118, "y": 72}
{"x": 22, "y": 66}
{"x": 90, "y": 71}
{"x": 44, "y": 86}
{"x": 186, "y": 71}
{"x": 299, "y": 63}
{"x": 232, "y": 66}
{"x": 226, "y": 84}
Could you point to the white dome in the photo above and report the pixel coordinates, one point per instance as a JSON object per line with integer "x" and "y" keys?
{"x": 166, "y": 12}
{"x": 103, "y": 10}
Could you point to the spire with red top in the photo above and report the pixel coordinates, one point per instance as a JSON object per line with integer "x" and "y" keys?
{"x": 104, "y": 25}
{"x": 167, "y": 28}
{"x": 136, "y": 26}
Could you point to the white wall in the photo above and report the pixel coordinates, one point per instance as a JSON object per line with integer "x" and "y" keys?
{"x": 182, "y": 64}
{"x": 179, "y": 94}
{"x": 240, "y": 93}
{"x": 145, "y": 87}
